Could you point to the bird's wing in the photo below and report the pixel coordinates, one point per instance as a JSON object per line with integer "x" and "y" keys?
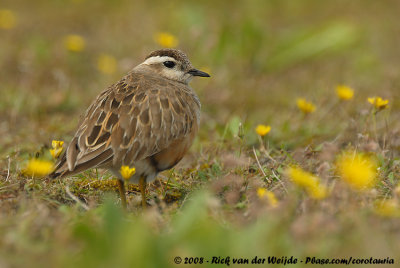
{"x": 138, "y": 117}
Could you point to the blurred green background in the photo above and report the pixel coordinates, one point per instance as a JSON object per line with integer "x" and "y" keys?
{"x": 262, "y": 55}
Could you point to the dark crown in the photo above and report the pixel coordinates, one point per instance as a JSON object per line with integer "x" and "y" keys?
{"x": 173, "y": 53}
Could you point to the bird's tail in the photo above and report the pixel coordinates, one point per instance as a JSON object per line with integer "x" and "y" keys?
{"x": 61, "y": 170}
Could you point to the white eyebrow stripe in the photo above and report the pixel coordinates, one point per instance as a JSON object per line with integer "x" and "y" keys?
{"x": 158, "y": 59}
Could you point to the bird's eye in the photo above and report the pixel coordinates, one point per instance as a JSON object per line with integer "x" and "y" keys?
{"x": 169, "y": 64}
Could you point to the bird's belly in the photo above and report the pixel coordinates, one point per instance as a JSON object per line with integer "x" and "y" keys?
{"x": 166, "y": 159}
{"x": 171, "y": 156}
{"x": 144, "y": 169}
{"x": 151, "y": 166}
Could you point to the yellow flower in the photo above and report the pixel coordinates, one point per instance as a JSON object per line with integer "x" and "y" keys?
{"x": 318, "y": 192}
{"x": 307, "y": 181}
{"x": 263, "y": 130}
{"x": 264, "y": 193}
{"x": 127, "y": 172}
{"x": 357, "y": 170}
{"x": 106, "y": 64}
{"x": 387, "y": 208}
{"x": 57, "y": 144}
{"x": 344, "y": 92}
{"x": 57, "y": 148}
{"x": 261, "y": 192}
{"x": 74, "y": 43}
{"x": 305, "y": 106}
{"x": 8, "y": 19}
{"x": 55, "y": 153}
{"x": 378, "y": 103}
{"x": 38, "y": 168}
{"x": 167, "y": 40}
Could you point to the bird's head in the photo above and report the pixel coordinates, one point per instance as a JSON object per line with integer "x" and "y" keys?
{"x": 172, "y": 64}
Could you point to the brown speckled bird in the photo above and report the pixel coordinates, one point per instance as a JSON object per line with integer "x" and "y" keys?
{"x": 148, "y": 120}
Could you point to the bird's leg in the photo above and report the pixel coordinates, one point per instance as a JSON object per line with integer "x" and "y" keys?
{"x": 121, "y": 187}
{"x": 142, "y": 187}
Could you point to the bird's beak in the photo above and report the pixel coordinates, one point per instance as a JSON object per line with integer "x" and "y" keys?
{"x": 196, "y": 72}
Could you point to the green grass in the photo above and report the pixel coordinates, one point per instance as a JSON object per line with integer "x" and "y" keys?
{"x": 262, "y": 56}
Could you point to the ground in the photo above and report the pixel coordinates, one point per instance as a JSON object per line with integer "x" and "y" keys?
{"x": 233, "y": 194}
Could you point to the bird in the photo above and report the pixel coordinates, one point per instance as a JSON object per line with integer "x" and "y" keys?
{"x": 147, "y": 120}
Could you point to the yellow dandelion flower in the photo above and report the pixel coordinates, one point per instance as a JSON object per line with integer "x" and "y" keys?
{"x": 302, "y": 178}
{"x": 55, "y": 153}
{"x": 57, "y": 148}
{"x": 38, "y": 168}
{"x": 357, "y": 170}
{"x": 74, "y": 43}
{"x": 127, "y": 172}
{"x": 307, "y": 181}
{"x": 305, "y": 106}
{"x": 263, "y": 130}
{"x": 57, "y": 144}
{"x": 106, "y": 64}
{"x": 387, "y": 208}
{"x": 270, "y": 196}
{"x": 378, "y": 103}
{"x": 167, "y": 40}
{"x": 344, "y": 92}
{"x": 8, "y": 20}
{"x": 261, "y": 192}
{"x": 318, "y": 192}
